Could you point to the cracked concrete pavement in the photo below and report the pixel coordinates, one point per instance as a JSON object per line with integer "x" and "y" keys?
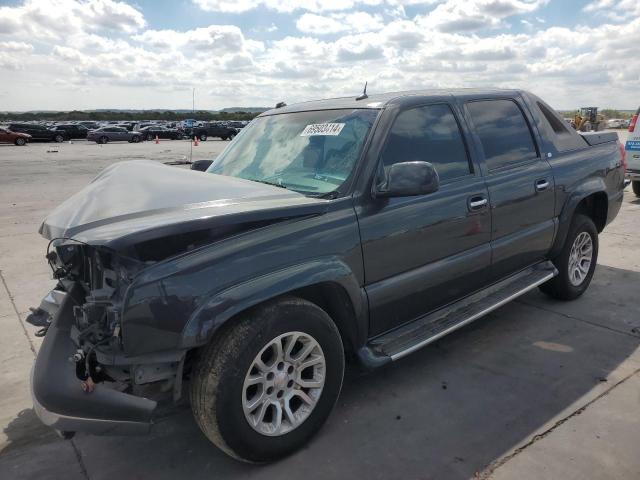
{"x": 537, "y": 389}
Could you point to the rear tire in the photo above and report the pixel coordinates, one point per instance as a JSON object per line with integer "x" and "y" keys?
{"x": 203, "y": 137}
{"x": 576, "y": 262}
{"x": 103, "y": 140}
{"x": 58, "y": 138}
{"x": 245, "y": 349}
{"x": 635, "y": 186}
{"x": 20, "y": 142}
{"x": 149, "y": 137}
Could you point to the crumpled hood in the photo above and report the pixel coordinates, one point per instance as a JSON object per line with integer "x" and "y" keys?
{"x": 139, "y": 200}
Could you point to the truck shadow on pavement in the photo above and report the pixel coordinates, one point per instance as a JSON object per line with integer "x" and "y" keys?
{"x": 447, "y": 411}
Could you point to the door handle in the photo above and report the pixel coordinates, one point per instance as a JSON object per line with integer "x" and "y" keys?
{"x": 477, "y": 203}
{"x": 542, "y": 184}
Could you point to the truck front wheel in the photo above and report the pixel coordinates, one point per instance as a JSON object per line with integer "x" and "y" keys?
{"x": 268, "y": 380}
{"x": 203, "y": 137}
{"x": 636, "y": 188}
{"x": 576, "y": 262}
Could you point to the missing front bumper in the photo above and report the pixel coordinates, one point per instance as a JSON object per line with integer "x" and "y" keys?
{"x": 59, "y": 400}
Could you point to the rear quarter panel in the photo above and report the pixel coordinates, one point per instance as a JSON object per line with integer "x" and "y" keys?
{"x": 582, "y": 172}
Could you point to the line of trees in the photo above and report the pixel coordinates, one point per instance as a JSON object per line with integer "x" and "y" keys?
{"x": 124, "y": 115}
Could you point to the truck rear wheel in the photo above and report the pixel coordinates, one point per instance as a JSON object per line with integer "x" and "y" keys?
{"x": 636, "y": 188}
{"x": 269, "y": 380}
{"x": 576, "y": 262}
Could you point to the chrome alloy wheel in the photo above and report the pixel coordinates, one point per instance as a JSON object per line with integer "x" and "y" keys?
{"x": 283, "y": 384}
{"x": 580, "y": 258}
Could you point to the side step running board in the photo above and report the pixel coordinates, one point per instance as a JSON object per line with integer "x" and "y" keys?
{"x": 409, "y": 338}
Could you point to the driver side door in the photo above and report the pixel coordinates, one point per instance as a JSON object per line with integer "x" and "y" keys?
{"x": 423, "y": 252}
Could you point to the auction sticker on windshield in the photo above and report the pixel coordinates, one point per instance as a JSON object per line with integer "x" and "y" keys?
{"x": 314, "y": 129}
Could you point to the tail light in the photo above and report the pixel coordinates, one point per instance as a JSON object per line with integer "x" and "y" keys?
{"x": 623, "y": 157}
{"x": 632, "y": 125}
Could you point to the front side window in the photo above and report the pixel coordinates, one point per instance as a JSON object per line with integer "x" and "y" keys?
{"x": 503, "y": 131}
{"x": 310, "y": 152}
{"x": 428, "y": 134}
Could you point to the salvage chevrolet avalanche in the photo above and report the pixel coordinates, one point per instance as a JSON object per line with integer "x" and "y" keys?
{"x": 365, "y": 227}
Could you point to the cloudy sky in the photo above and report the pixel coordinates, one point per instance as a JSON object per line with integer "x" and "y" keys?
{"x": 65, "y": 54}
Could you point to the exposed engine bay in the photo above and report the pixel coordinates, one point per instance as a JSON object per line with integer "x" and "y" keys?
{"x": 104, "y": 276}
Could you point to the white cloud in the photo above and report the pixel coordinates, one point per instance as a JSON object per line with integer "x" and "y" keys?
{"x": 59, "y": 18}
{"x": 106, "y": 57}
{"x": 214, "y": 39}
{"x": 470, "y": 15}
{"x": 320, "y": 25}
{"x": 18, "y": 47}
{"x": 239, "y": 6}
{"x": 339, "y": 22}
{"x": 616, "y": 10}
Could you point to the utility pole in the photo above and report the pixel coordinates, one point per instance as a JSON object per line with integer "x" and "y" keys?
{"x": 193, "y": 111}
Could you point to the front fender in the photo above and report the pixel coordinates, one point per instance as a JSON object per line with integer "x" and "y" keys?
{"x": 224, "y": 305}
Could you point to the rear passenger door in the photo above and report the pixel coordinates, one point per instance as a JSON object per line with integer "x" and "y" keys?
{"x": 520, "y": 183}
{"x": 424, "y": 251}
{"x": 120, "y": 133}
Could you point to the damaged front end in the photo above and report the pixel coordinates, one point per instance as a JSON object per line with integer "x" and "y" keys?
{"x": 82, "y": 379}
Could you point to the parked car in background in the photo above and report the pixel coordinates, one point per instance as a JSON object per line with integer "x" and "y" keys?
{"x": 7, "y": 136}
{"x": 615, "y": 123}
{"x": 91, "y": 125}
{"x": 336, "y": 227}
{"x": 39, "y": 132}
{"x": 207, "y": 130}
{"x": 138, "y": 126}
{"x": 632, "y": 150}
{"x": 149, "y": 133}
{"x": 72, "y": 130}
{"x": 114, "y": 134}
{"x": 237, "y": 124}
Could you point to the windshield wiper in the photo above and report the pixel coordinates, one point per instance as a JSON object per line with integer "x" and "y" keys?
{"x": 280, "y": 185}
{"x": 332, "y": 195}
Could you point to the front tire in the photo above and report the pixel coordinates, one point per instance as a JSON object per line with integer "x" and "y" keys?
{"x": 635, "y": 186}
{"x": 203, "y": 137}
{"x": 20, "y": 142}
{"x": 58, "y": 138}
{"x": 135, "y": 138}
{"x": 268, "y": 380}
{"x": 576, "y": 262}
{"x": 102, "y": 140}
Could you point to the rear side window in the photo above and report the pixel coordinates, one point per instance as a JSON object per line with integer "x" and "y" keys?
{"x": 428, "y": 134}
{"x": 503, "y": 131}
{"x": 563, "y": 137}
{"x": 557, "y": 125}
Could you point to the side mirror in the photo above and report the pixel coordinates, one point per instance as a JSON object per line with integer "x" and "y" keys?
{"x": 201, "y": 165}
{"x": 406, "y": 179}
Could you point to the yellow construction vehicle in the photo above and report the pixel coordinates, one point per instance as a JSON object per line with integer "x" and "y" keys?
{"x": 588, "y": 119}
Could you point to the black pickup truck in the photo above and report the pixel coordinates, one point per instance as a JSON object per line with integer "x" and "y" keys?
{"x": 346, "y": 228}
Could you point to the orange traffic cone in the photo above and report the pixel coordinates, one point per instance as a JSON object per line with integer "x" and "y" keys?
{"x": 157, "y": 140}
{"x": 195, "y": 141}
